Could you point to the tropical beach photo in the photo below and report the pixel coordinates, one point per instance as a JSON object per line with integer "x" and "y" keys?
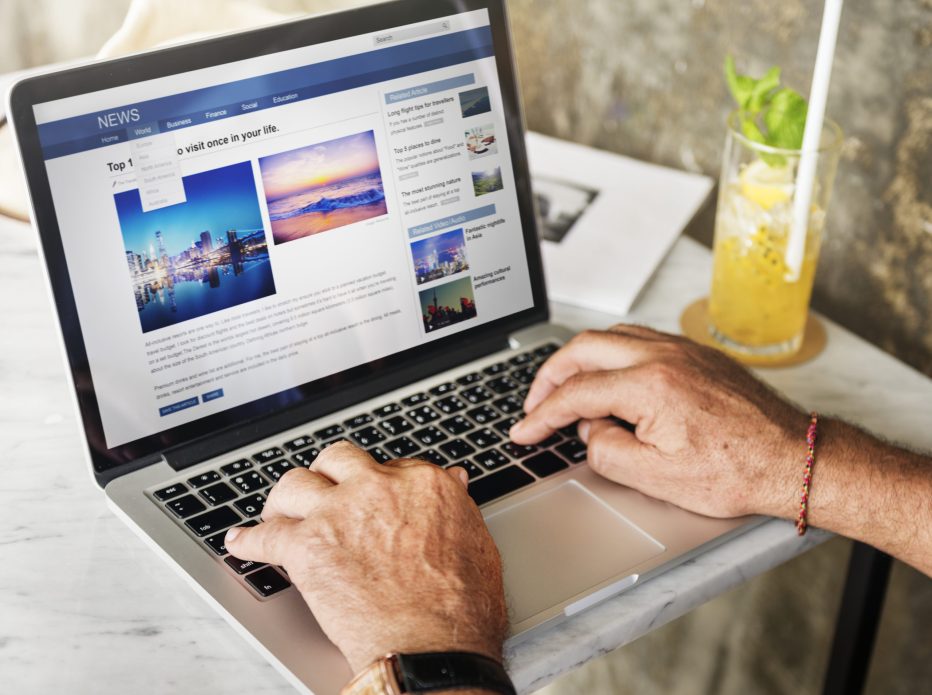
{"x": 194, "y": 258}
{"x": 323, "y": 186}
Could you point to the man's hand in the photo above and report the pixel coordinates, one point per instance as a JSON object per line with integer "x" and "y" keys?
{"x": 709, "y": 437}
{"x": 388, "y": 558}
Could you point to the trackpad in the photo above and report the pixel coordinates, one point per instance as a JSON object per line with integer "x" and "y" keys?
{"x": 562, "y": 543}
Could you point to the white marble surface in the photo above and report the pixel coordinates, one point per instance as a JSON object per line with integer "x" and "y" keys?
{"x": 86, "y": 608}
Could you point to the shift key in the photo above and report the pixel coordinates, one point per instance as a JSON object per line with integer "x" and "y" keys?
{"x": 499, "y": 484}
{"x": 213, "y": 521}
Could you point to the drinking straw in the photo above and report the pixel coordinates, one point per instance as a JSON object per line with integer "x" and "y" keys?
{"x": 815, "y": 115}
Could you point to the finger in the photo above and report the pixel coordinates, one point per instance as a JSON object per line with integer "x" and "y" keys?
{"x": 297, "y": 493}
{"x": 588, "y": 351}
{"x": 343, "y": 460}
{"x": 405, "y": 463}
{"x": 460, "y": 475}
{"x": 613, "y": 452}
{"x": 586, "y": 395}
{"x": 267, "y": 542}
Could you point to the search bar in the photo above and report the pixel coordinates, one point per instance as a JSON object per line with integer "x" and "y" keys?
{"x": 411, "y": 33}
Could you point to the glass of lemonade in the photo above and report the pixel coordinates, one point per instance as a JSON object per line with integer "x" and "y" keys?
{"x": 758, "y": 306}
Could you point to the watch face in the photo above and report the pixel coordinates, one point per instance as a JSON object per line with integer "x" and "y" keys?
{"x": 437, "y": 671}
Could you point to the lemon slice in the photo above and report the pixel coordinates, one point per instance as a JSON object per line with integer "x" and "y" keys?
{"x": 766, "y": 185}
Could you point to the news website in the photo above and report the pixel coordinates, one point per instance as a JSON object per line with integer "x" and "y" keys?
{"x": 234, "y": 232}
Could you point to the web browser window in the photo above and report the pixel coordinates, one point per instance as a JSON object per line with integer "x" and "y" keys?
{"x": 237, "y": 231}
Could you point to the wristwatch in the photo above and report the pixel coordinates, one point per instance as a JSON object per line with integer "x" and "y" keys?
{"x": 397, "y": 674}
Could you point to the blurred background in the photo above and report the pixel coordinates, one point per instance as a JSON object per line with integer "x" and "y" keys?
{"x": 644, "y": 78}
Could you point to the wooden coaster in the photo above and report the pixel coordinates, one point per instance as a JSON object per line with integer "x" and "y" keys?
{"x": 694, "y": 321}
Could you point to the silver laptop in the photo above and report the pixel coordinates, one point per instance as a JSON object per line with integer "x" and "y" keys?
{"x": 267, "y": 242}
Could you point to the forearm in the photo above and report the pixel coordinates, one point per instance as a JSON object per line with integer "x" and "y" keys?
{"x": 871, "y": 491}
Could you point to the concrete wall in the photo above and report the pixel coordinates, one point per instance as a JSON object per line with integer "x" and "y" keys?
{"x": 643, "y": 77}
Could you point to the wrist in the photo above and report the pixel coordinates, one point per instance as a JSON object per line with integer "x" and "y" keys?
{"x": 431, "y": 672}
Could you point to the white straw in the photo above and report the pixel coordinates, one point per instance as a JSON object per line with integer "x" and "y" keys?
{"x": 818, "y": 95}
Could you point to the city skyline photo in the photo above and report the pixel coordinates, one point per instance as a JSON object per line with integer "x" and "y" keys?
{"x": 447, "y": 304}
{"x": 439, "y": 256}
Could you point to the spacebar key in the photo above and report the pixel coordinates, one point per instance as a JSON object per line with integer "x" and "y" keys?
{"x": 498, "y": 484}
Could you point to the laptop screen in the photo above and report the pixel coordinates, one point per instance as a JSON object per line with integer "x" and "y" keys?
{"x": 237, "y": 231}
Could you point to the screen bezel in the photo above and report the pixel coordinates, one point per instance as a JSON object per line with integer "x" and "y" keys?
{"x": 312, "y": 399}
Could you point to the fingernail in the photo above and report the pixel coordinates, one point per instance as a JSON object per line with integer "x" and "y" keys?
{"x": 232, "y": 534}
{"x": 516, "y": 427}
{"x": 583, "y": 430}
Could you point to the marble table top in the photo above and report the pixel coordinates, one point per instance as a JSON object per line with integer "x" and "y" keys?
{"x": 85, "y": 607}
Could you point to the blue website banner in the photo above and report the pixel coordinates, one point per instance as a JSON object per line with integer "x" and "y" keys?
{"x": 100, "y": 129}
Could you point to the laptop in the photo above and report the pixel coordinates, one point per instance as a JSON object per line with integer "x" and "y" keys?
{"x": 263, "y": 243}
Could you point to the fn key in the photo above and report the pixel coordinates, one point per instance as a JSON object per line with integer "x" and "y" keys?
{"x": 267, "y": 581}
{"x": 498, "y": 484}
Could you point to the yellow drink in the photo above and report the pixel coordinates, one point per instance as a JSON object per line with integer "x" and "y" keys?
{"x": 756, "y": 305}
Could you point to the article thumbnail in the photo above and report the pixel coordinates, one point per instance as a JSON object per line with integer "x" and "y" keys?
{"x": 445, "y": 305}
{"x": 480, "y": 141}
{"x": 321, "y": 187}
{"x": 487, "y": 181}
{"x": 197, "y": 257}
{"x": 475, "y": 101}
{"x": 439, "y": 256}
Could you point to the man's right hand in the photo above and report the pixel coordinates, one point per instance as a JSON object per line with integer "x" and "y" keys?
{"x": 709, "y": 437}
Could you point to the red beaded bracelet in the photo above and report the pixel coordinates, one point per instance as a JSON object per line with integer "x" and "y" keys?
{"x": 801, "y": 520}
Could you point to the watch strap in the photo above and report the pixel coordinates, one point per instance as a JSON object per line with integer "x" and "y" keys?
{"x": 436, "y": 671}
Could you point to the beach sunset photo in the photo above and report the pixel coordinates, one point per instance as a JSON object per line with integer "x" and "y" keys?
{"x": 323, "y": 186}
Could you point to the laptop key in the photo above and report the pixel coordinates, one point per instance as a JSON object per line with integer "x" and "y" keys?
{"x": 521, "y": 358}
{"x": 367, "y": 436}
{"x": 236, "y": 467}
{"x": 329, "y": 432}
{"x": 457, "y": 425}
{"x": 379, "y": 455}
{"x": 483, "y": 438}
{"x": 276, "y": 470}
{"x": 524, "y": 376}
{"x": 470, "y": 378}
{"x": 517, "y": 451}
{"x": 396, "y": 425}
{"x": 509, "y": 405}
{"x": 358, "y": 421}
{"x": 472, "y": 470}
{"x": 213, "y": 521}
{"x": 443, "y": 389}
{"x": 476, "y": 394}
{"x": 496, "y": 368}
{"x": 203, "y": 479}
{"x": 215, "y": 543}
{"x": 306, "y": 458}
{"x": 218, "y": 494}
{"x": 267, "y": 455}
{"x": 544, "y": 464}
{"x": 457, "y": 448}
{"x": 267, "y": 581}
{"x": 433, "y": 456}
{"x": 183, "y": 507}
{"x": 429, "y": 436}
{"x": 414, "y": 399}
{"x": 250, "y": 506}
{"x": 483, "y": 414}
{"x": 546, "y": 350}
{"x": 170, "y": 492}
{"x": 504, "y": 426}
{"x": 299, "y": 443}
{"x": 242, "y": 566}
{"x": 401, "y": 447}
{"x": 499, "y": 484}
{"x": 450, "y": 405}
{"x": 386, "y": 410}
{"x": 492, "y": 459}
{"x": 423, "y": 415}
{"x": 573, "y": 451}
{"x": 501, "y": 384}
{"x": 249, "y": 482}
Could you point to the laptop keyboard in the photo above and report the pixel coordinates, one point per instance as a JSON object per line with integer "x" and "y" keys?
{"x": 457, "y": 423}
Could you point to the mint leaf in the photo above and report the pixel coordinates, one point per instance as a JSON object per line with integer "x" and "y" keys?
{"x": 786, "y": 120}
{"x": 763, "y": 88}
{"x": 741, "y": 86}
